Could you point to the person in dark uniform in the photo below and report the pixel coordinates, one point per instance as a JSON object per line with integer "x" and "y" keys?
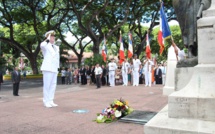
{"x": 92, "y": 75}
{"x": 103, "y": 79}
{"x": 16, "y": 78}
{"x": 83, "y": 75}
{"x": 1, "y": 79}
{"x": 158, "y": 75}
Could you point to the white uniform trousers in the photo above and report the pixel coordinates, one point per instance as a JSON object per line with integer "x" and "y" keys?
{"x": 125, "y": 78}
{"x": 112, "y": 78}
{"x": 49, "y": 86}
{"x": 136, "y": 77}
{"x": 148, "y": 78}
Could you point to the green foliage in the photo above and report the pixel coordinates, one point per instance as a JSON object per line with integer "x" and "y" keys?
{"x": 176, "y": 34}
{"x": 92, "y": 61}
{"x": 2, "y": 63}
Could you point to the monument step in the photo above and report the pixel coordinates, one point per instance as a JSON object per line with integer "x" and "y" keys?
{"x": 162, "y": 124}
{"x": 197, "y": 99}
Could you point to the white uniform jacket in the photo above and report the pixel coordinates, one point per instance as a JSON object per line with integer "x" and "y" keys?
{"x": 51, "y": 57}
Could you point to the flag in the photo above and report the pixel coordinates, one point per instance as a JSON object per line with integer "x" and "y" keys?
{"x": 130, "y": 47}
{"x": 104, "y": 51}
{"x": 121, "y": 50}
{"x": 148, "y": 49}
{"x": 164, "y": 31}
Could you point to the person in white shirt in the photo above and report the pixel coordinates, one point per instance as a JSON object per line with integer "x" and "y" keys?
{"x": 136, "y": 67}
{"x": 147, "y": 71}
{"x": 180, "y": 54}
{"x": 125, "y": 69}
{"x": 98, "y": 72}
{"x": 112, "y": 68}
{"x": 50, "y": 65}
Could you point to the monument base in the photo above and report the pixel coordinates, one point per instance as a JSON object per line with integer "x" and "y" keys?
{"x": 196, "y": 100}
{"x": 162, "y": 124}
{"x": 168, "y": 90}
{"x": 185, "y": 73}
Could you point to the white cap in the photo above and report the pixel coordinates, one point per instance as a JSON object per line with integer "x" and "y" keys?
{"x": 49, "y": 32}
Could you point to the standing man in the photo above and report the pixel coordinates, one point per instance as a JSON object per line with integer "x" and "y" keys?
{"x": 107, "y": 75}
{"x": 16, "y": 78}
{"x": 136, "y": 67}
{"x": 1, "y": 79}
{"x": 112, "y": 68}
{"x": 148, "y": 72}
{"x": 63, "y": 75}
{"x": 125, "y": 69}
{"x": 83, "y": 75}
{"x": 49, "y": 68}
{"x": 92, "y": 75}
{"x": 158, "y": 75}
{"x": 69, "y": 76}
{"x": 98, "y": 72}
{"x": 103, "y": 77}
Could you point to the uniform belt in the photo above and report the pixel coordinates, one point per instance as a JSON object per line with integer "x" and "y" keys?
{"x": 111, "y": 70}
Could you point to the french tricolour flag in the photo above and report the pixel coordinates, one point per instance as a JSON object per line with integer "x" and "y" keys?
{"x": 130, "y": 47}
{"x": 148, "y": 49}
{"x": 121, "y": 50}
{"x": 164, "y": 31}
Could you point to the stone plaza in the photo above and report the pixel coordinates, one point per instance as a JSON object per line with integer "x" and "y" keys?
{"x": 27, "y": 115}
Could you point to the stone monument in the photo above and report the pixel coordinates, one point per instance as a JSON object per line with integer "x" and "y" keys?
{"x": 170, "y": 73}
{"x": 191, "y": 109}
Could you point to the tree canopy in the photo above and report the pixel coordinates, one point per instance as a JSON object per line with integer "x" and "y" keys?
{"x": 24, "y": 22}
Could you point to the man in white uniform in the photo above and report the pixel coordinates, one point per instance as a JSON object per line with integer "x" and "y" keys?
{"x": 136, "y": 67}
{"x": 112, "y": 68}
{"x": 148, "y": 72}
{"x": 49, "y": 68}
{"x": 125, "y": 67}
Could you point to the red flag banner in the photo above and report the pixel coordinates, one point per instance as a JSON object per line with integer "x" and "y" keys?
{"x": 104, "y": 51}
{"x": 130, "y": 47}
{"x": 121, "y": 50}
{"x": 148, "y": 49}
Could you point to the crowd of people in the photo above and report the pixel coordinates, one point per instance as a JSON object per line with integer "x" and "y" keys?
{"x": 133, "y": 72}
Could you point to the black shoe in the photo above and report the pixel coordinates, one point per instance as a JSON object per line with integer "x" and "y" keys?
{"x": 15, "y": 95}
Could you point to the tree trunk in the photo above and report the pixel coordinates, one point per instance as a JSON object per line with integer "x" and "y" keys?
{"x": 79, "y": 59}
{"x": 33, "y": 63}
{"x": 96, "y": 47}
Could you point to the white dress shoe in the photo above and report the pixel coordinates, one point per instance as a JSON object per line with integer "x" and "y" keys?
{"x": 48, "y": 105}
{"x": 53, "y": 104}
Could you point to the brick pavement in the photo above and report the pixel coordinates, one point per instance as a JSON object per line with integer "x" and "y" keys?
{"x": 27, "y": 115}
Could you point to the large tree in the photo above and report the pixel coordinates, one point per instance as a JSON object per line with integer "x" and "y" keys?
{"x": 97, "y": 18}
{"x": 24, "y": 23}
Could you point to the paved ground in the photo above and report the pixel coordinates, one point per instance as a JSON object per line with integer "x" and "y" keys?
{"x": 27, "y": 115}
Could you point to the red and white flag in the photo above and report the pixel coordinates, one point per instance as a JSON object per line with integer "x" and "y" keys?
{"x": 130, "y": 47}
{"x": 104, "y": 51}
{"x": 121, "y": 50}
{"x": 148, "y": 49}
